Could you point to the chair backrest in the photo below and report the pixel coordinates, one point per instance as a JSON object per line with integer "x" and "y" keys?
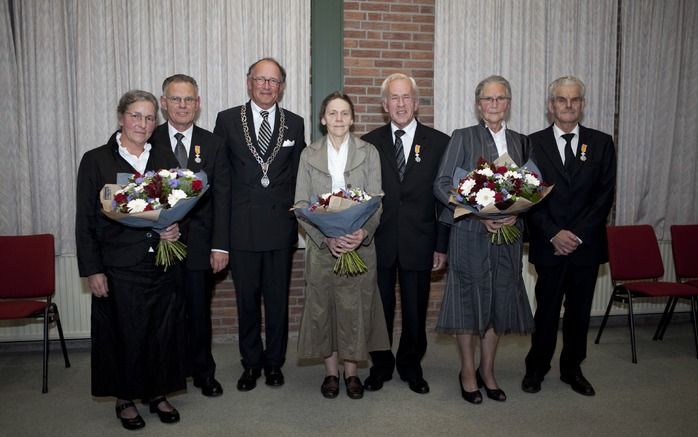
{"x": 633, "y": 253}
{"x": 684, "y": 247}
{"x": 28, "y": 266}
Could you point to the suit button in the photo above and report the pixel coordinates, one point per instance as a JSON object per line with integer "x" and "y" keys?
{"x": 149, "y": 235}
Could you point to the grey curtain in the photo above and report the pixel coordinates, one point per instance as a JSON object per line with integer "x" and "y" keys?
{"x": 65, "y": 63}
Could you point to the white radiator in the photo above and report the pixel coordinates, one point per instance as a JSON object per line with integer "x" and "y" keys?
{"x": 73, "y": 300}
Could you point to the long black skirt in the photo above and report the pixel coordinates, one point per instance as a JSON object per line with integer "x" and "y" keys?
{"x": 137, "y": 349}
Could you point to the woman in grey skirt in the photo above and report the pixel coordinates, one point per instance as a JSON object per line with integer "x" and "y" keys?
{"x": 485, "y": 295}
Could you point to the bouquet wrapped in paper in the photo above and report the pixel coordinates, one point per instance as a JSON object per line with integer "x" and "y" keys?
{"x": 155, "y": 200}
{"x": 338, "y": 214}
{"x": 497, "y": 189}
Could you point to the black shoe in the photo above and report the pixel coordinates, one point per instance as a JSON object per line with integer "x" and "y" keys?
{"x": 132, "y": 423}
{"x": 578, "y": 383}
{"x": 492, "y": 393}
{"x": 248, "y": 379}
{"x": 354, "y": 388}
{"x": 417, "y": 385}
{"x": 209, "y": 386}
{"x": 330, "y": 387}
{"x": 165, "y": 416}
{"x": 474, "y": 397}
{"x": 274, "y": 377}
{"x": 531, "y": 383}
{"x": 374, "y": 382}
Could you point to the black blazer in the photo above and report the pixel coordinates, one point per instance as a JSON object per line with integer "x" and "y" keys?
{"x": 101, "y": 241}
{"x": 207, "y": 226}
{"x": 409, "y": 232}
{"x": 579, "y": 203}
{"x": 260, "y": 218}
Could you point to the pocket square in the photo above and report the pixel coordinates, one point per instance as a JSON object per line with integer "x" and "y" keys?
{"x": 289, "y": 143}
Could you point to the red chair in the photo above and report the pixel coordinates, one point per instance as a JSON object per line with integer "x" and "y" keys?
{"x": 684, "y": 241}
{"x": 636, "y": 265}
{"x": 27, "y": 283}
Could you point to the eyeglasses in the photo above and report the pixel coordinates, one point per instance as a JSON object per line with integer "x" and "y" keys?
{"x": 565, "y": 101}
{"x": 189, "y": 100}
{"x": 260, "y": 81}
{"x": 489, "y": 100}
{"x": 138, "y": 117}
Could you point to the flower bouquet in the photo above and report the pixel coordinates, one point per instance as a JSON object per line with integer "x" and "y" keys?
{"x": 497, "y": 189}
{"x": 155, "y": 200}
{"x": 338, "y": 214}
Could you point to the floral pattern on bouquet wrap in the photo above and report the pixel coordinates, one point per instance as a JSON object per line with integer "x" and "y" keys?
{"x": 497, "y": 189}
{"x": 156, "y": 199}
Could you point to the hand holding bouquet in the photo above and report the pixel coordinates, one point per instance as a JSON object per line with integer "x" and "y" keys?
{"x": 494, "y": 190}
{"x": 156, "y": 199}
{"x": 340, "y": 216}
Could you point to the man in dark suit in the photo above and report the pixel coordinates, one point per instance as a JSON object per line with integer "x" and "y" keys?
{"x": 206, "y": 230}
{"x": 410, "y": 242}
{"x": 264, "y": 143}
{"x": 567, "y": 233}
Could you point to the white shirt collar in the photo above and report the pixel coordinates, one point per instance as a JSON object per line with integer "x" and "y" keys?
{"x": 409, "y": 129}
{"x": 559, "y": 132}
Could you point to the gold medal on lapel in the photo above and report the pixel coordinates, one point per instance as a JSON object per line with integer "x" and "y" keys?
{"x": 583, "y": 155}
{"x": 417, "y": 149}
{"x": 197, "y": 152}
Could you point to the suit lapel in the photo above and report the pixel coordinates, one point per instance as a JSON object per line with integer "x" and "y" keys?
{"x": 489, "y": 148}
{"x": 578, "y": 163}
{"x": 419, "y": 139}
{"x": 549, "y": 148}
{"x": 389, "y": 147}
{"x": 196, "y": 142}
{"x": 355, "y": 156}
{"x": 514, "y": 148}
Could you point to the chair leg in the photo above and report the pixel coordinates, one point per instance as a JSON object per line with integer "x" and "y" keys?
{"x": 631, "y": 322}
{"x": 44, "y": 387}
{"x": 57, "y": 318}
{"x": 665, "y": 319}
{"x": 668, "y": 320}
{"x": 694, "y": 316}
{"x": 605, "y": 316}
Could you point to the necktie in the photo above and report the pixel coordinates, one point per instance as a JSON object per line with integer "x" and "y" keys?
{"x": 399, "y": 152}
{"x": 264, "y": 133}
{"x": 180, "y": 151}
{"x": 569, "y": 156}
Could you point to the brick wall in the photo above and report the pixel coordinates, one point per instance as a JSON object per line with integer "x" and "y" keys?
{"x": 384, "y": 37}
{"x": 380, "y": 38}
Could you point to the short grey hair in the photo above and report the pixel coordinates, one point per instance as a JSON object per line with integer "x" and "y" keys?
{"x": 492, "y": 79}
{"x": 563, "y": 81}
{"x": 134, "y": 96}
{"x": 385, "y": 86}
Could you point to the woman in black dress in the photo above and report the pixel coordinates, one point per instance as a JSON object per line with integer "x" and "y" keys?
{"x": 135, "y": 304}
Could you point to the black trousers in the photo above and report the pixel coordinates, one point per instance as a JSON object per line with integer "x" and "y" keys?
{"x": 575, "y": 284}
{"x": 262, "y": 276}
{"x": 414, "y": 298}
{"x": 198, "y": 291}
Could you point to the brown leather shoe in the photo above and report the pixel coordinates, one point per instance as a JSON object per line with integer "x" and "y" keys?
{"x": 354, "y": 388}
{"x": 330, "y": 387}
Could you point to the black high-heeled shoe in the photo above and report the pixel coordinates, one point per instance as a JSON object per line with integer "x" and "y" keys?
{"x": 132, "y": 423}
{"x": 474, "y": 397}
{"x": 492, "y": 393}
{"x": 165, "y": 416}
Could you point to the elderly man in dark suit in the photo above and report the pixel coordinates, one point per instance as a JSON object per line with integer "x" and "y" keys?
{"x": 410, "y": 243}
{"x": 207, "y": 230}
{"x": 567, "y": 232}
{"x": 264, "y": 143}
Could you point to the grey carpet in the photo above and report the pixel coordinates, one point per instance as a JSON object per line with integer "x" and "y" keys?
{"x": 656, "y": 397}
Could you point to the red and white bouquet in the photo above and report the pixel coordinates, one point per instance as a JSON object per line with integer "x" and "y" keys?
{"x": 155, "y": 200}
{"x": 497, "y": 189}
{"x": 338, "y": 214}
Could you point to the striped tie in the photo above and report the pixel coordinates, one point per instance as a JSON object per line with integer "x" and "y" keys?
{"x": 264, "y": 133}
{"x": 399, "y": 152}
